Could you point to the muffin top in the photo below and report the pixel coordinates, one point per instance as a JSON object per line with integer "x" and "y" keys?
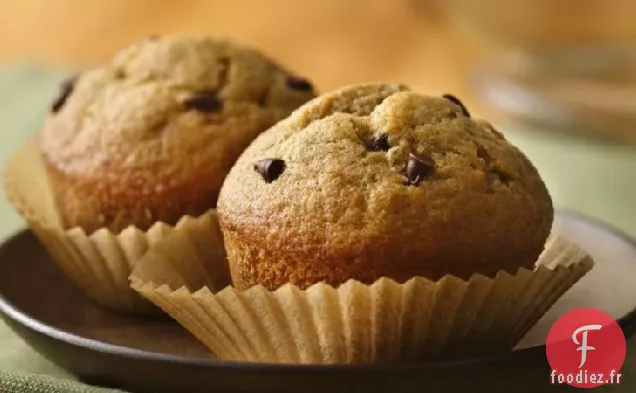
{"x": 375, "y": 180}
{"x": 165, "y": 110}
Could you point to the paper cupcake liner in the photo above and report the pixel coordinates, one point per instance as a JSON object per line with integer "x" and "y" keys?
{"x": 356, "y": 323}
{"x": 101, "y": 262}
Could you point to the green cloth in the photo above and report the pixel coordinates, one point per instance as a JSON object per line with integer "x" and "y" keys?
{"x": 11, "y": 382}
{"x": 595, "y": 178}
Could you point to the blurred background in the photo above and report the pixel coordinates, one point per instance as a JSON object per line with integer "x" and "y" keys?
{"x": 562, "y": 71}
{"x": 567, "y": 63}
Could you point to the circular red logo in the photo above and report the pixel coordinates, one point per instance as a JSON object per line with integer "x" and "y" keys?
{"x": 586, "y": 348}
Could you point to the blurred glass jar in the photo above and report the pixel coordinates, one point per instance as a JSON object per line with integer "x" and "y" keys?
{"x": 568, "y": 64}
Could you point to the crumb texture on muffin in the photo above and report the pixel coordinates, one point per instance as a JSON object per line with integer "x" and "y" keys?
{"x": 150, "y": 135}
{"x": 379, "y": 181}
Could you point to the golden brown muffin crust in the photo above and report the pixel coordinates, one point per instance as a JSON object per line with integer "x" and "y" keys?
{"x": 343, "y": 207}
{"x": 150, "y": 135}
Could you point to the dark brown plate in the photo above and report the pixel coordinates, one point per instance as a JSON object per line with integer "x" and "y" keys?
{"x": 145, "y": 355}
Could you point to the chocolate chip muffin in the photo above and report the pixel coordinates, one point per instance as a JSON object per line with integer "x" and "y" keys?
{"x": 150, "y": 135}
{"x": 377, "y": 181}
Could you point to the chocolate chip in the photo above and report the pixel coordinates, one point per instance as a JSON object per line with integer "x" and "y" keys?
{"x": 457, "y": 102}
{"x": 66, "y": 88}
{"x": 153, "y": 37}
{"x": 205, "y": 101}
{"x": 301, "y": 84}
{"x": 418, "y": 168}
{"x": 270, "y": 168}
{"x": 120, "y": 74}
{"x": 382, "y": 143}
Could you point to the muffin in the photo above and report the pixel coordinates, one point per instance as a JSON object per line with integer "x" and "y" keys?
{"x": 137, "y": 148}
{"x": 149, "y": 136}
{"x": 377, "y": 181}
{"x": 373, "y": 225}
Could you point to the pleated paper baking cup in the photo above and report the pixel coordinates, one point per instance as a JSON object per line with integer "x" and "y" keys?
{"x": 101, "y": 262}
{"x": 356, "y": 323}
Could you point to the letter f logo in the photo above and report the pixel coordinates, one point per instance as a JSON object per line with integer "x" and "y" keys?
{"x": 584, "y": 347}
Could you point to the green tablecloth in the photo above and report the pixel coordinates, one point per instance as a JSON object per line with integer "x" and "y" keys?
{"x": 596, "y": 179}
